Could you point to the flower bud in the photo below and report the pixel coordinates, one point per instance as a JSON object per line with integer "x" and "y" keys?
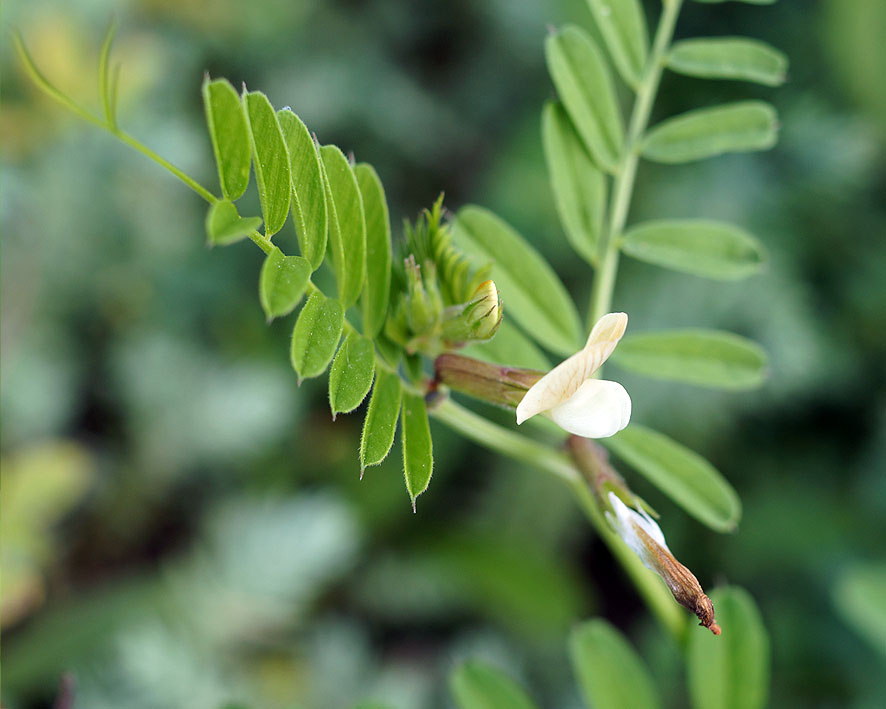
{"x": 492, "y": 383}
{"x": 478, "y": 319}
{"x": 423, "y": 302}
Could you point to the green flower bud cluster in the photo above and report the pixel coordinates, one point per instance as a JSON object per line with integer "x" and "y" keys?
{"x": 438, "y": 302}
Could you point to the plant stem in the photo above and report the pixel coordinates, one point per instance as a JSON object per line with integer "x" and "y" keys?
{"x": 623, "y": 184}
{"x": 162, "y": 162}
{"x": 490, "y": 435}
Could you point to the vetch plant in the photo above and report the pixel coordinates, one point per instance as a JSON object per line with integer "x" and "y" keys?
{"x": 400, "y": 323}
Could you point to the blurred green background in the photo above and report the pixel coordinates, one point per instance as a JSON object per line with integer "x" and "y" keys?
{"x": 183, "y": 526}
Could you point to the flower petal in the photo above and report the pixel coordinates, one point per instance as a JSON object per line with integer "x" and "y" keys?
{"x": 564, "y": 380}
{"x": 598, "y": 409}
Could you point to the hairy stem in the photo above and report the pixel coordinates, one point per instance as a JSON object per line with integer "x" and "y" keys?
{"x": 623, "y": 184}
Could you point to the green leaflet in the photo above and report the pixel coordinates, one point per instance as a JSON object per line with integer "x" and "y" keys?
{"x": 415, "y": 436}
{"x": 701, "y": 247}
{"x": 378, "y": 249}
{"x": 381, "y": 419}
{"x": 610, "y": 673}
{"x": 224, "y": 225}
{"x": 229, "y": 134}
{"x": 316, "y": 335}
{"x": 708, "y": 358}
{"x": 351, "y": 374}
{"x": 579, "y": 187}
{"x": 531, "y": 291}
{"x": 682, "y": 474}
{"x": 347, "y": 226}
{"x": 582, "y": 78}
{"x": 730, "y": 671}
{"x": 309, "y": 212}
{"x": 729, "y": 58}
{"x": 270, "y": 159}
{"x": 623, "y": 27}
{"x": 477, "y": 685}
{"x": 282, "y": 283}
{"x": 707, "y": 132}
{"x": 509, "y": 347}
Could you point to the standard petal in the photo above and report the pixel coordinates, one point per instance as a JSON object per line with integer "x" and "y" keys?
{"x": 604, "y": 337}
{"x": 598, "y": 409}
{"x": 564, "y": 380}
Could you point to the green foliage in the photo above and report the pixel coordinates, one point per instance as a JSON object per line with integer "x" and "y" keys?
{"x": 860, "y": 597}
{"x": 609, "y": 671}
{"x": 535, "y": 296}
{"x": 584, "y": 83}
{"x": 347, "y": 226}
{"x": 309, "y": 210}
{"x": 282, "y": 283}
{"x": 729, "y": 58}
{"x": 708, "y": 132}
{"x": 380, "y": 425}
{"x": 730, "y": 671}
{"x": 270, "y": 159}
{"x": 316, "y": 335}
{"x": 698, "y": 246}
{"x": 623, "y": 27}
{"x": 578, "y": 186}
{"x": 703, "y": 357}
{"x": 510, "y": 347}
{"x": 351, "y": 375}
{"x": 415, "y": 437}
{"x": 378, "y": 249}
{"x": 229, "y": 133}
{"x": 683, "y": 475}
{"x": 224, "y": 225}
{"x": 477, "y": 685}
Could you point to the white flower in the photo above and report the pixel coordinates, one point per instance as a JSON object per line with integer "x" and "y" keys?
{"x": 578, "y": 403}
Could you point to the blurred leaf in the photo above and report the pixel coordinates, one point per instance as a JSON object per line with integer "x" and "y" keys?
{"x": 381, "y": 419}
{"x": 282, "y": 283}
{"x": 509, "y": 347}
{"x": 529, "y": 288}
{"x": 224, "y": 225}
{"x": 708, "y": 358}
{"x": 271, "y": 160}
{"x": 707, "y": 132}
{"x": 623, "y": 27}
{"x": 509, "y": 579}
{"x": 378, "y": 249}
{"x": 584, "y": 84}
{"x": 749, "y": 2}
{"x": 698, "y": 246}
{"x": 860, "y": 598}
{"x": 730, "y": 671}
{"x": 682, "y": 474}
{"x": 351, "y": 375}
{"x": 309, "y": 210}
{"x": 229, "y": 133}
{"x": 316, "y": 335}
{"x": 729, "y": 58}
{"x": 415, "y": 435}
{"x": 347, "y": 228}
{"x": 610, "y": 673}
{"x": 579, "y": 187}
{"x": 476, "y": 685}
{"x": 41, "y": 483}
